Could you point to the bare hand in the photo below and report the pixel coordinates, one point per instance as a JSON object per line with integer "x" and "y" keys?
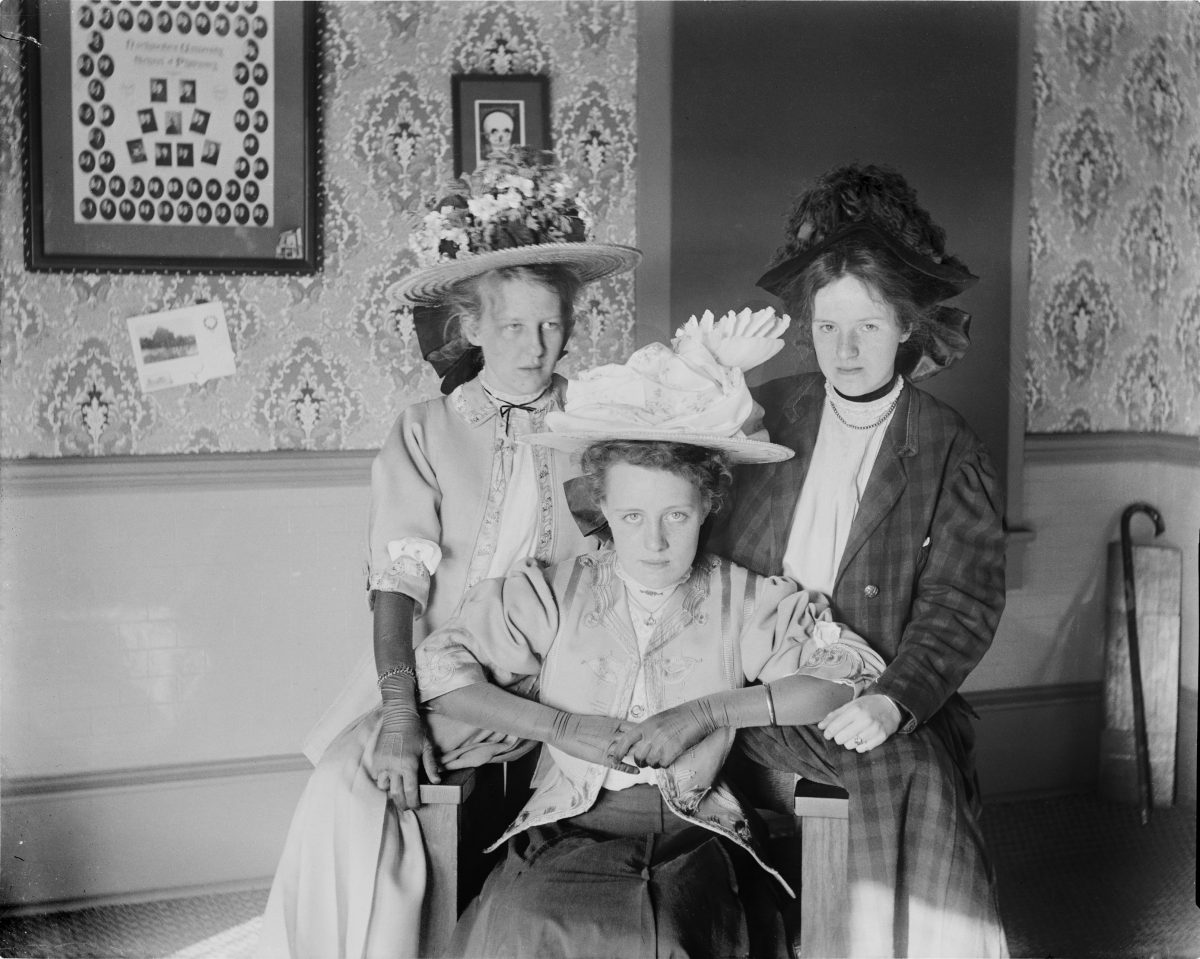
{"x": 662, "y": 738}
{"x": 863, "y": 723}
{"x": 589, "y": 738}
{"x": 400, "y": 751}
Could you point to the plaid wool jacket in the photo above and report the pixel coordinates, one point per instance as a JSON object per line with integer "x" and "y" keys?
{"x": 922, "y": 575}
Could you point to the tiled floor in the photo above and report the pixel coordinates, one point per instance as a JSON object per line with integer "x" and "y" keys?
{"x": 1078, "y": 877}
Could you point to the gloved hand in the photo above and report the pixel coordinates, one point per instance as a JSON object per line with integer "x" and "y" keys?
{"x": 588, "y": 737}
{"x": 660, "y": 739}
{"x": 489, "y": 707}
{"x": 402, "y": 747}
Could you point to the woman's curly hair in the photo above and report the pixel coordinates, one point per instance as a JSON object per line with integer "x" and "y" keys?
{"x": 706, "y": 469}
{"x": 863, "y": 192}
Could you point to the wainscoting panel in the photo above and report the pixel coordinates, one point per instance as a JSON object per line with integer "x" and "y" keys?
{"x": 140, "y": 835}
{"x": 1037, "y": 740}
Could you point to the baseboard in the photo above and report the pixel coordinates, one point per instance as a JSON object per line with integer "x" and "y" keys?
{"x": 135, "y": 835}
{"x": 134, "y": 777}
{"x": 8, "y": 911}
{"x": 1036, "y": 741}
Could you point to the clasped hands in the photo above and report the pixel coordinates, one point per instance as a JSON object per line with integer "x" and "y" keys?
{"x": 403, "y": 747}
{"x": 860, "y": 725}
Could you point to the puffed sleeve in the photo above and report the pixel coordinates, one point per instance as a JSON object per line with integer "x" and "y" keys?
{"x": 405, "y": 530}
{"x": 791, "y": 630}
{"x": 500, "y": 634}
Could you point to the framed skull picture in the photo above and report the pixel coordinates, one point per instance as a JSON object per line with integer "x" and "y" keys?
{"x": 494, "y": 112}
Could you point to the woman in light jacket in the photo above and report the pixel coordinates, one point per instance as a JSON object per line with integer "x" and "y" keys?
{"x": 634, "y": 842}
{"x": 454, "y": 499}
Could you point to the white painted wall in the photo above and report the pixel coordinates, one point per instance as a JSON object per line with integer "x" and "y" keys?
{"x": 163, "y": 619}
{"x": 1052, "y": 632}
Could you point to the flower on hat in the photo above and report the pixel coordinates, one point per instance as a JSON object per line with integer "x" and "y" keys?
{"x": 689, "y": 387}
{"x": 744, "y": 339}
{"x": 518, "y": 198}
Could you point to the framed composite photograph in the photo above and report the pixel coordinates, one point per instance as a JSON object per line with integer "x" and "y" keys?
{"x": 493, "y": 112}
{"x": 171, "y": 137}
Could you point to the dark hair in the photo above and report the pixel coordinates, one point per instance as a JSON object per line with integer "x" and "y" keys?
{"x": 878, "y": 194}
{"x": 706, "y": 469}
{"x": 465, "y": 303}
{"x": 863, "y": 192}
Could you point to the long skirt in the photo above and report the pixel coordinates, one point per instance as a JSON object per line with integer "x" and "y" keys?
{"x": 352, "y": 875}
{"x": 626, "y": 879}
{"x": 920, "y": 879}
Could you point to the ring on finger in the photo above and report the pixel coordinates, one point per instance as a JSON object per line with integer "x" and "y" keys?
{"x": 857, "y": 741}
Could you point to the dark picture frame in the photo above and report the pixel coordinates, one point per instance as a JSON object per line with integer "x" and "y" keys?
{"x": 182, "y": 142}
{"x": 493, "y": 110}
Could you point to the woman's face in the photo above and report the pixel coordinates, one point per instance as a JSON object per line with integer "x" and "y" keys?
{"x": 521, "y": 332}
{"x": 856, "y": 336}
{"x": 655, "y": 518}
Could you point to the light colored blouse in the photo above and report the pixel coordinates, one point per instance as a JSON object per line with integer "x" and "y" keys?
{"x": 843, "y": 457}
{"x": 569, "y": 628}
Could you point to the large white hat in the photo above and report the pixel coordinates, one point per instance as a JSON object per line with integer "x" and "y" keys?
{"x": 693, "y": 392}
{"x": 517, "y": 209}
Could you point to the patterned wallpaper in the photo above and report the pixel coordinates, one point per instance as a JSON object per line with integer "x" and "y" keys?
{"x": 1114, "y": 321}
{"x": 327, "y": 361}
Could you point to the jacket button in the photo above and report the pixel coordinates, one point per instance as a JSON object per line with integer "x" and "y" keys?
{"x": 871, "y": 592}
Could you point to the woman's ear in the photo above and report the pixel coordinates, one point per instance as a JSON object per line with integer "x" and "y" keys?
{"x": 469, "y": 325}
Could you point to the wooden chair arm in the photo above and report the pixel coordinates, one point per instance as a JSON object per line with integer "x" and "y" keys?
{"x": 454, "y": 789}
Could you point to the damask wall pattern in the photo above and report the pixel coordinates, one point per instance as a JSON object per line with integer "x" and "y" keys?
{"x": 327, "y": 361}
{"x": 1114, "y": 319}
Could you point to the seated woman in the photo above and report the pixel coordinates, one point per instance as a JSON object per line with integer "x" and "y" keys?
{"x": 634, "y": 843}
{"x": 454, "y": 499}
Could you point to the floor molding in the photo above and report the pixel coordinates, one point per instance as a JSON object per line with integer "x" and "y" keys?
{"x": 18, "y": 787}
{"x": 10, "y": 910}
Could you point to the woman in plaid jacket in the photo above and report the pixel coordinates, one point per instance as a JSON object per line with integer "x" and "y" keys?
{"x": 891, "y": 506}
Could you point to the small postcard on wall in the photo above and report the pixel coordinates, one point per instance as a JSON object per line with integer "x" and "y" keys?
{"x": 181, "y": 347}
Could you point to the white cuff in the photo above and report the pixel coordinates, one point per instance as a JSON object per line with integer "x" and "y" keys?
{"x": 428, "y": 552}
{"x": 412, "y": 564}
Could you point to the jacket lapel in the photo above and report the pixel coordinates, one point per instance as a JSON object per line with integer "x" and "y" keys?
{"x": 888, "y": 479}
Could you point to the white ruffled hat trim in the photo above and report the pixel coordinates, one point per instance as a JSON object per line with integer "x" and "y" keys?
{"x": 695, "y": 393}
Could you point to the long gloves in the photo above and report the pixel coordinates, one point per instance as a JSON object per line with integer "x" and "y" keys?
{"x": 402, "y": 747}
{"x": 792, "y": 701}
{"x": 490, "y": 707}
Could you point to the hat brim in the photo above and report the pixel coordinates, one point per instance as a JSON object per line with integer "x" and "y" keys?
{"x": 589, "y": 261}
{"x": 739, "y": 449}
